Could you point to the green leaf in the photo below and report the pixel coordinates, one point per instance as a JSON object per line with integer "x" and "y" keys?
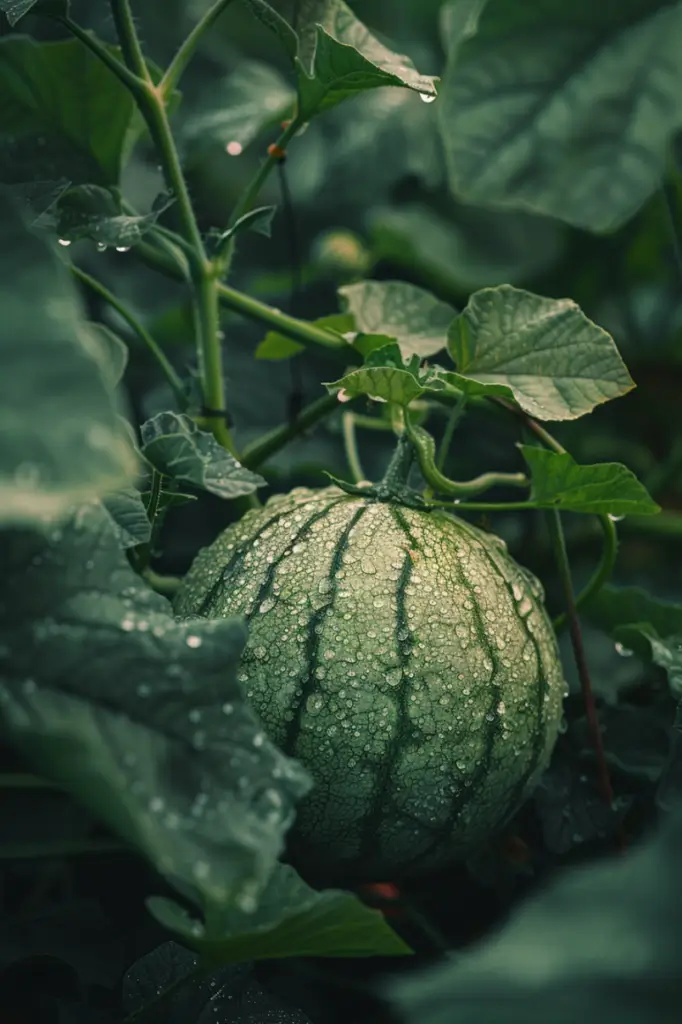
{"x": 231, "y": 994}
{"x": 129, "y": 517}
{"x": 175, "y": 447}
{"x": 338, "y": 70}
{"x": 89, "y": 211}
{"x": 237, "y": 110}
{"x": 558, "y": 364}
{"x": 383, "y": 384}
{"x": 605, "y": 488}
{"x": 258, "y": 220}
{"x": 533, "y": 112}
{"x": 138, "y": 716}
{"x": 278, "y": 346}
{"x": 76, "y": 448}
{"x": 269, "y": 17}
{"x": 64, "y": 114}
{"x": 620, "y": 606}
{"x": 290, "y": 919}
{"x": 666, "y": 652}
{"x": 597, "y": 946}
{"x": 416, "y": 319}
{"x": 14, "y": 10}
{"x": 113, "y": 353}
{"x": 469, "y": 387}
{"x": 467, "y": 248}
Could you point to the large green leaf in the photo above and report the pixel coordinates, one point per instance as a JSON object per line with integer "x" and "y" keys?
{"x": 290, "y": 919}
{"x": 605, "y": 488}
{"x": 61, "y": 440}
{"x": 175, "y": 446}
{"x": 64, "y": 114}
{"x": 416, "y": 319}
{"x": 558, "y": 364}
{"x": 138, "y": 716}
{"x": 237, "y": 110}
{"x": 600, "y": 946}
{"x": 564, "y": 109}
{"x": 469, "y": 248}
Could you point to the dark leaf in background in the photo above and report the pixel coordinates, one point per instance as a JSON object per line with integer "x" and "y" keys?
{"x": 175, "y": 447}
{"x": 533, "y": 113}
{"x": 139, "y": 717}
{"x": 64, "y": 114}
{"x": 230, "y": 995}
{"x": 50, "y": 355}
{"x": 601, "y": 946}
{"x": 128, "y": 516}
{"x": 416, "y": 319}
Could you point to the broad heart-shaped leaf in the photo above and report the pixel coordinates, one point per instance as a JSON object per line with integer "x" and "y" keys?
{"x": 621, "y": 606}
{"x": 231, "y": 993}
{"x": 175, "y": 447}
{"x": 416, "y": 319}
{"x": 138, "y": 716}
{"x": 606, "y": 488}
{"x": 340, "y": 71}
{"x": 277, "y": 346}
{"x": 533, "y": 112}
{"x": 61, "y": 440}
{"x": 600, "y": 946}
{"x": 64, "y": 114}
{"x": 558, "y": 363}
{"x": 129, "y": 517}
{"x": 14, "y": 10}
{"x": 290, "y": 919}
{"x": 90, "y": 211}
{"x": 237, "y": 110}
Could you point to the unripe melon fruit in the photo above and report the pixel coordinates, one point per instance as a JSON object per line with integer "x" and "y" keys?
{"x": 403, "y": 657}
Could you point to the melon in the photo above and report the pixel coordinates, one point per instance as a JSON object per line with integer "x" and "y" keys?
{"x": 403, "y": 657}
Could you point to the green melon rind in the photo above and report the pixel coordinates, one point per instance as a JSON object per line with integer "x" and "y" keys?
{"x": 403, "y": 657}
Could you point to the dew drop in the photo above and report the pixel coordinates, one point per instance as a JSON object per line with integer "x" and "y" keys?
{"x": 64, "y": 241}
{"x": 427, "y": 97}
{"x": 624, "y": 651}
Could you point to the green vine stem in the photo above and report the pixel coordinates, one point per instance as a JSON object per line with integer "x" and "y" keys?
{"x": 563, "y": 565}
{"x": 351, "y": 446}
{"x": 259, "y": 451}
{"x": 172, "y": 378}
{"x": 204, "y": 284}
{"x": 602, "y": 573}
{"x": 127, "y": 77}
{"x": 425, "y": 449}
{"x": 251, "y": 192}
{"x": 175, "y": 69}
{"x": 454, "y": 418}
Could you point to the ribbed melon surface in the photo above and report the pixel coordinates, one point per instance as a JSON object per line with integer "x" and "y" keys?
{"x": 403, "y": 657}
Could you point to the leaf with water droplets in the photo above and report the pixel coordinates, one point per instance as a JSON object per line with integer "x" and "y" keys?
{"x": 558, "y": 364}
{"x": 288, "y": 919}
{"x": 14, "y": 10}
{"x": 90, "y": 211}
{"x": 175, "y": 447}
{"x": 416, "y": 319}
{"x": 50, "y": 357}
{"x": 605, "y": 488}
{"x": 128, "y": 516}
{"x": 137, "y": 716}
{"x": 231, "y": 993}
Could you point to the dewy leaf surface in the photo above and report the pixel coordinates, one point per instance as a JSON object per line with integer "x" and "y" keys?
{"x": 416, "y": 319}
{"x": 175, "y": 446}
{"x": 604, "y": 488}
{"x": 64, "y": 114}
{"x": 53, "y": 360}
{"x": 566, "y": 109}
{"x": 558, "y": 363}
{"x": 291, "y": 919}
{"x": 140, "y": 717}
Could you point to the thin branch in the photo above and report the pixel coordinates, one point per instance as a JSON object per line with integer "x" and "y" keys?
{"x": 124, "y": 74}
{"x": 175, "y": 69}
{"x": 174, "y": 381}
{"x": 453, "y": 420}
{"x": 260, "y": 451}
{"x": 561, "y": 555}
{"x": 128, "y": 38}
{"x": 351, "y": 445}
{"x": 602, "y": 573}
{"x": 250, "y": 194}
